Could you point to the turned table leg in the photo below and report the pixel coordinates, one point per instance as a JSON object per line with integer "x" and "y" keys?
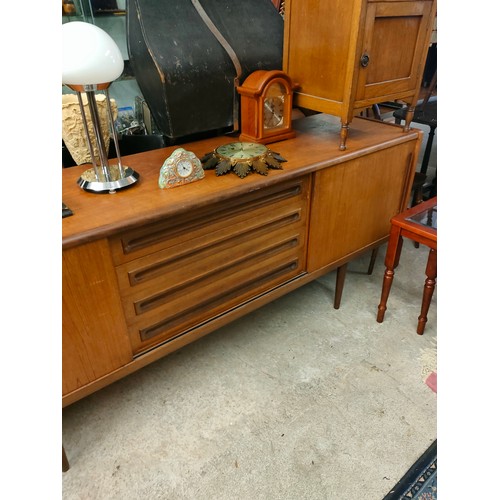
{"x": 386, "y": 288}
{"x": 391, "y": 262}
{"x": 430, "y": 284}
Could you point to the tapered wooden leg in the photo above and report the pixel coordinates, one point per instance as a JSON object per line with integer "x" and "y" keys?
{"x": 344, "y": 130}
{"x": 409, "y": 117}
{"x": 430, "y": 284}
{"x": 65, "y": 463}
{"x": 339, "y": 285}
{"x": 340, "y": 280}
{"x": 373, "y": 258}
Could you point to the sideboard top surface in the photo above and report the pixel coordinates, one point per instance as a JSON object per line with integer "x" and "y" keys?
{"x": 316, "y": 146}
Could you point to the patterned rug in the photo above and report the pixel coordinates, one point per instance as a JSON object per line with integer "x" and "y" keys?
{"x": 420, "y": 482}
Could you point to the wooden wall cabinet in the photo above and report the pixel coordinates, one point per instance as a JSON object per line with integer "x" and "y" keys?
{"x": 348, "y": 55}
{"x": 148, "y": 270}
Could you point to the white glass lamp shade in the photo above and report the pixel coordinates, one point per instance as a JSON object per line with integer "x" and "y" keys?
{"x": 90, "y": 55}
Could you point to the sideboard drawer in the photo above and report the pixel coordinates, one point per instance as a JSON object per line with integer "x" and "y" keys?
{"x": 180, "y": 272}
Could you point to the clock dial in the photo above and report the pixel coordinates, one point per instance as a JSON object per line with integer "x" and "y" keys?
{"x": 273, "y": 112}
{"x": 274, "y": 106}
{"x": 241, "y": 150}
{"x": 184, "y": 168}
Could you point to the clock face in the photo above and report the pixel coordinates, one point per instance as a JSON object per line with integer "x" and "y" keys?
{"x": 184, "y": 168}
{"x": 274, "y": 106}
{"x": 241, "y": 150}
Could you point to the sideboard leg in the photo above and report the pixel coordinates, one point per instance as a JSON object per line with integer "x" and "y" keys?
{"x": 65, "y": 463}
{"x": 339, "y": 285}
{"x": 373, "y": 259}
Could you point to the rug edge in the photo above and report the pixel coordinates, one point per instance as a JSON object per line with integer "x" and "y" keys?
{"x": 413, "y": 472}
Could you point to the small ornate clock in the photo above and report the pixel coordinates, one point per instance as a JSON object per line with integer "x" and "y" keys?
{"x": 266, "y": 107}
{"x": 181, "y": 167}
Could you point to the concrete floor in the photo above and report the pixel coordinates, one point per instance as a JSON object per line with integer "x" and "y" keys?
{"x": 295, "y": 401}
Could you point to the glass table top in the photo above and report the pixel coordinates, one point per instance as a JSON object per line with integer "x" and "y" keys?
{"x": 426, "y": 218}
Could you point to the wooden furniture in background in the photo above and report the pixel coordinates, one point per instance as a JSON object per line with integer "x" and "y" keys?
{"x": 419, "y": 224}
{"x": 346, "y": 56}
{"x": 425, "y": 114}
{"x": 147, "y": 271}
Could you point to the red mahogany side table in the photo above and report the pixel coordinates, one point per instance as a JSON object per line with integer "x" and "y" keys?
{"x": 419, "y": 224}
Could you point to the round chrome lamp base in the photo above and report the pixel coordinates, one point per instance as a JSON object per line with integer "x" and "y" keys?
{"x": 99, "y": 184}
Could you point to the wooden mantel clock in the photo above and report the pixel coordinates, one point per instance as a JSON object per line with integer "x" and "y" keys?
{"x": 266, "y": 107}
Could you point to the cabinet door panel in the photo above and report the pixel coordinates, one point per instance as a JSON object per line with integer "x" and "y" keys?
{"x": 353, "y": 203}
{"x": 94, "y": 336}
{"x": 319, "y": 45}
{"x": 394, "y": 40}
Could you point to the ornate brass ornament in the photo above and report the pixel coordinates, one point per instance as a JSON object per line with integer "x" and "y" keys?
{"x": 242, "y": 158}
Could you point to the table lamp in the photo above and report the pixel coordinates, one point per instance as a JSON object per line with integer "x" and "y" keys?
{"x": 91, "y": 62}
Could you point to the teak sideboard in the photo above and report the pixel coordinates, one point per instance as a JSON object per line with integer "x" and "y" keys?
{"x": 147, "y": 271}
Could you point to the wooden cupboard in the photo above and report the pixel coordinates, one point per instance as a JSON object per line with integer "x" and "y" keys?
{"x": 346, "y": 56}
{"x": 149, "y": 270}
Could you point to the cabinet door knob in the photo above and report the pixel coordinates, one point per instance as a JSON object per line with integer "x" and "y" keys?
{"x": 365, "y": 59}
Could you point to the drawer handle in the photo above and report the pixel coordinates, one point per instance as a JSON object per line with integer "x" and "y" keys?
{"x": 365, "y": 59}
